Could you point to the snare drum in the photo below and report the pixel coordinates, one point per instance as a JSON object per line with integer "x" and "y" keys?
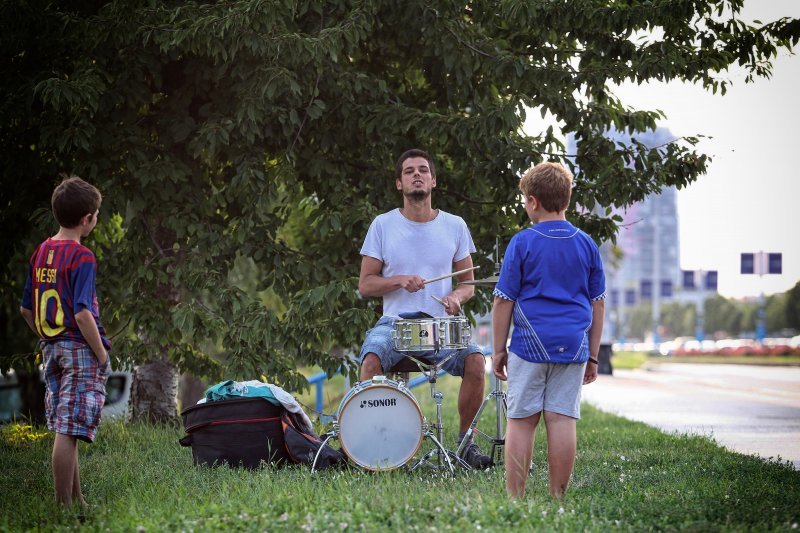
{"x": 380, "y": 424}
{"x": 426, "y": 334}
{"x": 454, "y": 333}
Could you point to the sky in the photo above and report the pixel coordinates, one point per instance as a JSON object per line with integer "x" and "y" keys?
{"x": 749, "y": 200}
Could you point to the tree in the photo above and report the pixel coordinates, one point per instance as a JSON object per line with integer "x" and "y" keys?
{"x": 640, "y": 321}
{"x": 723, "y": 316}
{"x": 679, "y": 319}
{"x": 266, "y": 130}
{"x": 775, "y": 313}
{"x": 793, "y": 307}
{"x": 29, "y": 171}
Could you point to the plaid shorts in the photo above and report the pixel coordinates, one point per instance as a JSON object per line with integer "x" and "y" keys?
{"x": 75, "y": 388}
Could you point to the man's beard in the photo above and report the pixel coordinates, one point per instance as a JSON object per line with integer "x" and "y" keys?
{"x": 417, "y": 195}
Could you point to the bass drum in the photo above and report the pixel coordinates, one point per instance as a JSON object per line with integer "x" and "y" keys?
{"x": 380, "y": 424}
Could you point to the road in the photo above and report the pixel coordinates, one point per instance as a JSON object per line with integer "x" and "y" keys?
{"x": 749, "y": 409}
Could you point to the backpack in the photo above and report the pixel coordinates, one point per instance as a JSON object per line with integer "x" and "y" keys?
{"x": 302, "y": 444}
{"x": 240, "y": 432}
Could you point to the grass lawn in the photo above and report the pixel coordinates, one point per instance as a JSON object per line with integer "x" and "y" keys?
{"x": 629, "y": 360}
{"x": 627, "y": 477}
{"x": 777, "y": 360}
{"x": 634, "y": 360}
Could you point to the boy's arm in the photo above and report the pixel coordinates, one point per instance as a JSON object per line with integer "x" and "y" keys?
{"x": 27, "y": 314}
{"x": 595, "y": 334}
{"x": 501, "y": 323}
{"x": 89, "y": 330}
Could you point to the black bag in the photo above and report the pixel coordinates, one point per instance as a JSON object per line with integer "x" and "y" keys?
{"x": 238, "y": 432}
{"x": 302, "y": 445}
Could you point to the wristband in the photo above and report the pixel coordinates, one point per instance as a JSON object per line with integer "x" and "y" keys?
{"x": 592, "y": 360}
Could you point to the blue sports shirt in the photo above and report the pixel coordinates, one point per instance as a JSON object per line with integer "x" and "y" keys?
{"x": 552, "y": 272}
{"x": 61, "y": 283}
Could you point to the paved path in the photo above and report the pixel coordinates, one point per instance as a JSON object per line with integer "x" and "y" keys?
{"x": 748, "y": 409}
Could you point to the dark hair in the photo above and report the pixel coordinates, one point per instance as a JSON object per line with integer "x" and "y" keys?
{"x": 408, "y": 154}
{"x": 550, "y": 183}
{"x": 73, "y": 199}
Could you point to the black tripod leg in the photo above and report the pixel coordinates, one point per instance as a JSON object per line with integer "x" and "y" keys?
{"x": 473, "y": 425}
{"x": 498, "y": 441}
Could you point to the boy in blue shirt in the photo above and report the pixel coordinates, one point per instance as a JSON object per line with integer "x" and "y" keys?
{"x": 59, "y": 303}
{"x": 553, "y": 286}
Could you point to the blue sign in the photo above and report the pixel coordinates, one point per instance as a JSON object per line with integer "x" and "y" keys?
{"x": 748, "y": 264}
{"x": 774, "y": 265}
{"x": 762, "y": 263}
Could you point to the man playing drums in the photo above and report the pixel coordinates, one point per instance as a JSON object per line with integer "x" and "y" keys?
{"x": 402, "y": 249}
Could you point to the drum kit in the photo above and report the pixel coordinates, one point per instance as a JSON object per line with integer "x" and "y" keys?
{"x": 379, "y": 423}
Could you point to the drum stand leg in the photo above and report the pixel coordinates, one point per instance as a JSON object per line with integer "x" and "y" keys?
{"x": 440, "y": 452}
{"x": 501, "y": 411}
{"x": 328, "y": 436}
{"x": 443, "y": 455}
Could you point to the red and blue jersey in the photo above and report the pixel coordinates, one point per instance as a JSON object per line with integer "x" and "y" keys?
{"x": 60, "y": 284}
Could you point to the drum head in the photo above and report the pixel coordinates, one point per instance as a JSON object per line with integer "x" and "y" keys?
{"x": 380, "y": 427}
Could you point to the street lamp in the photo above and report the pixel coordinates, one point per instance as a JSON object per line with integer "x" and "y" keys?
{"x": 761, "y": 263}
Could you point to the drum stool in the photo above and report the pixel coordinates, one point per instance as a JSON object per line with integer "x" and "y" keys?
{"x": 405, "y": 366}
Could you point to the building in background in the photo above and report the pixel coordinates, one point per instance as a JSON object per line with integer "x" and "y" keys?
{"x": 645, "y": 267}
{"x": 648, "y": 269}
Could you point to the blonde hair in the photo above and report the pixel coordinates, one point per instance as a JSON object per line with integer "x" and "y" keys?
{"x": 550, "y": 183}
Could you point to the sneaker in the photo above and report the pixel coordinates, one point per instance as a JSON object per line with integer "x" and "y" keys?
{"x": 474, "y": 457}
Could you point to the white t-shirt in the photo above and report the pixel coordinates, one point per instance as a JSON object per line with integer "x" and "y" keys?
{"x": 426, "y": 249}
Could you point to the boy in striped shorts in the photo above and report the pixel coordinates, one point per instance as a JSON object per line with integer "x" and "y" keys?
{"x": 59, "y": 303}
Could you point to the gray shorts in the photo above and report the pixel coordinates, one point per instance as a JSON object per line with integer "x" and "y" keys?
{"x": 536, "y": 387}
{"x": 379, "y": 341}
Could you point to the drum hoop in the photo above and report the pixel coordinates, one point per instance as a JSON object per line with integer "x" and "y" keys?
{"x": 456, "y": 318}
{"x": 346, "y": 401}
{"x": 409, "y": 321}
{"x": 433, "y": 319}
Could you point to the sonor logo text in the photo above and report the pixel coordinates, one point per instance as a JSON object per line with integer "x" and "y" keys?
{"x": 384, "y": 402}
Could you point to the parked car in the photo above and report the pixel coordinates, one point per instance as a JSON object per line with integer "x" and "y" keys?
{"x": 778, "y": 346}
{"x": 118, "y": 393}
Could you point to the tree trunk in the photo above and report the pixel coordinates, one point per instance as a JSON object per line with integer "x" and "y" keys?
{"x": 154, "y": 391}
{"x": 154, "y": 388}
{"x": 31, "y": 391}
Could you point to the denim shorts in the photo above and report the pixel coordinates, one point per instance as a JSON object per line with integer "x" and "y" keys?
{"x": 537, "y": 387}
{"x": 380, "y": 342}
{"x": 75, "y": 388}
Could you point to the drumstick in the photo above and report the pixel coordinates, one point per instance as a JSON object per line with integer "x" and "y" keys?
{"x": 438, "y": 300}
{"x": 449, "y": 275}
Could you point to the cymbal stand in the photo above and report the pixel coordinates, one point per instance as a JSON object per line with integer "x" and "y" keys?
{"x": 497, "y": 394}
{"x": 501, "y": 410}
